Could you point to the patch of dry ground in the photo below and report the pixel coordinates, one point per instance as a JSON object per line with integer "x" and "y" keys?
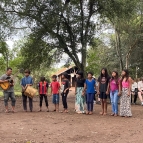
{"x": 44, "y": 127}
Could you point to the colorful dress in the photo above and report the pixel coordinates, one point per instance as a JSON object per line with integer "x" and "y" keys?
{"x": 125, "y": 100}
{"x": 79, "y": 100}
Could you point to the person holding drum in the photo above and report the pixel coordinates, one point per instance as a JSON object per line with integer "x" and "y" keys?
{"x": 26, "y": 81}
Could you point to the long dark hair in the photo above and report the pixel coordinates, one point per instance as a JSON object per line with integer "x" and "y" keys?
{"x": 116, "y": 78}
{"x": 80, "y": 73}
{"x": 126, "y": 75}
{"x": 65, "y": 74}
{"x": 106, "y": 73}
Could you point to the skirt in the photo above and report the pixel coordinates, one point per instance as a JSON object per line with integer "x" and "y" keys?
{"x": 79, "y": 100}
{"x": 125, "y": 103}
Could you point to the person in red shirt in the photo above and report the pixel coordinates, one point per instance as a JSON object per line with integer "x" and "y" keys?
{"x": 43, "y": 89}
{"x": 55, "y": 86}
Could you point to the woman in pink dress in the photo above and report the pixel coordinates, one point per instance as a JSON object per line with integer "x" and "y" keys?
{"x": 125, "y": 100}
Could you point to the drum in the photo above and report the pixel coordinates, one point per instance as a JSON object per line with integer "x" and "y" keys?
{"x": 30, "y": 91}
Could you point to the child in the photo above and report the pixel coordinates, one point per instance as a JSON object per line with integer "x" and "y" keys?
{"x": 115, "y": 91}
{"x": 43, "y": 89}
{"x": 103, "y": 89}
{"x": 134, "y": 91}
{"x": 125, "y": 99}
{"x": 65, "y": 85}
{"x": 55, "y": 86}
{"x": 89, "y": 87}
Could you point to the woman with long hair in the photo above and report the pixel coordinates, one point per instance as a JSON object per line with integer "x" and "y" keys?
{"x": 125, "y": 99}
{"x": 79, "y": 99}
{"x": 115, "y": 91}
{"x": 103, "y": 89}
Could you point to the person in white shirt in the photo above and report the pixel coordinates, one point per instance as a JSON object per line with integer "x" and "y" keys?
{"x": 134, "y": 91}
{"x": 140, "y": 90}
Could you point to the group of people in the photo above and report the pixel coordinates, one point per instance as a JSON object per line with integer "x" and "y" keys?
{"x": 85, "y": 89}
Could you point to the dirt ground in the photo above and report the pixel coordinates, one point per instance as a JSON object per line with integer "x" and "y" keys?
{"x": 50, "y": 127}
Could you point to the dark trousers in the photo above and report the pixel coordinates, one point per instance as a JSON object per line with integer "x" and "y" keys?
{"x": 24, "y": 97}
{"x": 135, "y": 97}
{"x": 41, "y": 99}
{"x": 64, "y": 100}
{"x": 89, "y": 100}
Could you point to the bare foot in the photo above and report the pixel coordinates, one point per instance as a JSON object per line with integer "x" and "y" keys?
{"x": 101, "y": 113}
{"x": 13, "y": 111}
{"x": 6, "y": 111}
{"x": 66, "y": 111}
{"x": 112, "y": 114}
{"x": 87, "y": 112}
{"x": 90, "y": 113}
{"x": 105, "y": 114}
{"x": 116, "y": 115}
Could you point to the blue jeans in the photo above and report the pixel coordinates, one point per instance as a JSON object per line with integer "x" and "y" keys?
{"x": 89, "y": 101}
{"x": 114, "y": 101}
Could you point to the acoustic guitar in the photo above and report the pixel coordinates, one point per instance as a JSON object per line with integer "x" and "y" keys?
{"x": 6, "y": 84}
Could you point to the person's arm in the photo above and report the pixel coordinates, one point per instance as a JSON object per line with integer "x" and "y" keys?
{"x": 68, "y": 86}
{"x": 59, "y": 87}
{"x": 119, "y": 87}
{"x": 84, "y": 89}
{"x": 22, "y": 86}
{"x": 139, "y": 87}
{"x": 95, "y": 86}
{"x": 75, "y": 87}
{"x": 107, "y": 91}
{"x": 98, "y": 87}
{"x": 47, "y": 86}
{"x": 108, "y": 81}
{"x": 130, "y": 83}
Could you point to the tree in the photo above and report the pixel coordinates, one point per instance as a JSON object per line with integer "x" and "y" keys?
{"x": 67, "y": 26}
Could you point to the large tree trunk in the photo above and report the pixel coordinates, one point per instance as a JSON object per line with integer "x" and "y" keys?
{"x": 118, "y": 48}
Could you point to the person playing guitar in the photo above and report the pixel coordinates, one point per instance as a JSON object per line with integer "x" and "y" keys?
{"x": 9, "y": 92}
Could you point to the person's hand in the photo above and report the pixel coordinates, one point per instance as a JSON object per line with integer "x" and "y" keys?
{"x": 141, "y": 92}
{"x": 83, "y": 93}
{"x": 65, "y": 91}
{"x": 107, "y": 92}
{"x": 128, "y": 94}
{"x": 119, "y": 93}
{"x": 46, "y": 94}
{"x": 98, "y": 92}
